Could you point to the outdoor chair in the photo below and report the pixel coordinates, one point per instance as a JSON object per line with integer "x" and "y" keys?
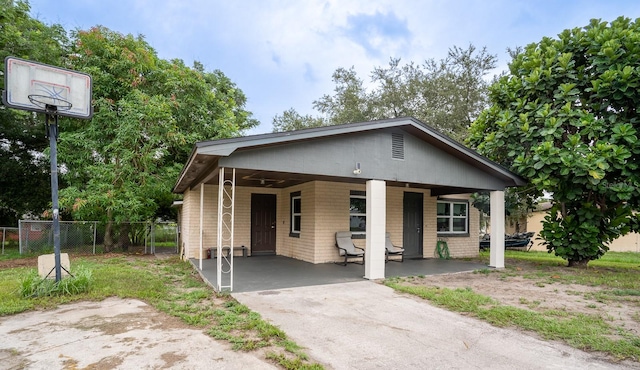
{"x": 347, "y": 248}
{"x": 391, "y": 249}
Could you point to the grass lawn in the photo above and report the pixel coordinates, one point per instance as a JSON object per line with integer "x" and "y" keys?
{"x": 593, "y": 309}
{"x": 171, "y": 286}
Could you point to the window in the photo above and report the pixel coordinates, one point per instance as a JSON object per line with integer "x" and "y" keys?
{"x": 296, "y": 214}
{"x": 358, "y": 212}
{"x": 453, "y": 217}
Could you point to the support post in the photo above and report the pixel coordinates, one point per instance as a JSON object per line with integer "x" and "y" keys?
{"x": 225, "y": 229}
{"x": 201, "y": 221}
{"x": 52, "y": 132}
{"x": 496, "y": 256}
{"x": 374, "y": 267}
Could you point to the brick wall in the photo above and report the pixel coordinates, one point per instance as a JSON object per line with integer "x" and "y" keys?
{"x": 464, "y": 246}
{"x": 331, "y": 215}
{"x": 293, "y": 246}
{"x": 325, "y": 210}
{"x": 191, "y": 219}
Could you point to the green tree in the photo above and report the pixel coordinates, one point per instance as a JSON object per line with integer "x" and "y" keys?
{"x": 565, "y": 118}
{"x": 518, "y": 205}
{"x": 24, "y": 175}
{"x": 123, "y": 162}
{"x": 447, "y": 94}
{"x": 291, "y": 120}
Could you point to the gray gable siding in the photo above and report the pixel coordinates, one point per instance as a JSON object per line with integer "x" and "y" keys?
{"x": 338, "y": 155}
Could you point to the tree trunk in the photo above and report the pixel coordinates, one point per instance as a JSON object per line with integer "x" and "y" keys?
{"x": 579, "y": 264}
{"x": 108, "y": 239}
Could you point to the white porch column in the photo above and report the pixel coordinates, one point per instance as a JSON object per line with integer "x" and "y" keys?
{"x": 376, "y": 228}
{"x": 201, "y": 229}
{"x": 496, "y": 256}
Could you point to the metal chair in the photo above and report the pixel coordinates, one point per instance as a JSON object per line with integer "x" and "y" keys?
{"x": 347, "y": 248}
{"x": 391, "y": 249}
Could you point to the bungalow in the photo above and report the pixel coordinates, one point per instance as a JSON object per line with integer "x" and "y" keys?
{"x": 288, "y": 193}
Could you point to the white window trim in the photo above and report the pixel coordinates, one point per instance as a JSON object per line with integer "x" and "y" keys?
{"x": 357, "y": 214}
{"x": 294, "y": 214}
{"x": 451, "y": 217}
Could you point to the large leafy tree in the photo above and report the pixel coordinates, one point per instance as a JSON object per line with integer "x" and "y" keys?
{"x": 448, "y": 94}
{"x": 148, "y": 113}
{"x": 24, "y": 170}
{"x": 565, "y": 117}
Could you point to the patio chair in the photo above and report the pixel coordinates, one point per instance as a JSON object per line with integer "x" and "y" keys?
{"x": 347, "y": 248}
{"x": 391, "y": 249}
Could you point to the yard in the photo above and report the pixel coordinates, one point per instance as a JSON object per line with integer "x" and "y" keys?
{"x": 596, "y": 309}
{"x": 593, "y": 309}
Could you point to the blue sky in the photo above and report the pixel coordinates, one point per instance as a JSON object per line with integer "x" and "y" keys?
{"x": 282, "y": 53}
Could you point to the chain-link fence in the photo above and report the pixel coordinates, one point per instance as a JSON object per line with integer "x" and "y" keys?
{"x": 10, "y": 238}
{"x": 91, "y": 237}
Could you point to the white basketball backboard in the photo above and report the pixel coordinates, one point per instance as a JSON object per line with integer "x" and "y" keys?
{"x": 32, "y": 85}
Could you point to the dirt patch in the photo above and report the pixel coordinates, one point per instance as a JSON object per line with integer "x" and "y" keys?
{"x": 33, "y": 261}
{"x": 524, "y": 286}
{"x": 20, "y": 262}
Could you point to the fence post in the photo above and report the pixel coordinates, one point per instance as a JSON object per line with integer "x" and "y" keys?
{"x": 146, "y": 233}
{"x": 4, "y": 235}
{"x": 95, "y": 231}
{"x": 153, "y": 238}
{"x": 20, "y": 236}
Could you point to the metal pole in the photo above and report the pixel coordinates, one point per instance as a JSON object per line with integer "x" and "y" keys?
{"x": 95, "y": 227}
{"x": 53, "y": 136}
{"x": 4, "y": 235}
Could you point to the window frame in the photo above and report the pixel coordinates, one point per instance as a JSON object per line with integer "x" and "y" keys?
{"x": 293, "y": 197}
{"x": 451, "y": 217}
{"x": 356, "y": 194}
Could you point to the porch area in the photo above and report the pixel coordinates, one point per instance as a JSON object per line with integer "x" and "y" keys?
{"x": 264, "y": 273}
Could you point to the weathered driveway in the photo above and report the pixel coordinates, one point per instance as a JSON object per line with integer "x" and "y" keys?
{"x": 112, "y": 334}
{"x": 365, "y": 325}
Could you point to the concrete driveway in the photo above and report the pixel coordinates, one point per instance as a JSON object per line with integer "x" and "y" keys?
{"x": 365, "y": 325}
{"x": 112, "y": 334}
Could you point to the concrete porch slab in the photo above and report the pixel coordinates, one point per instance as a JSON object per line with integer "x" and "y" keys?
{"x": 277, "y": 272}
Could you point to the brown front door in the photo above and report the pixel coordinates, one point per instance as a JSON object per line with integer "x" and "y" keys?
{"x": 263, "y": 224}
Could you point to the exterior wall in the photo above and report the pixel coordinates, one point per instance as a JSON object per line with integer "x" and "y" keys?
{"x": 299, "y": 247}
{"x": 242, "y": 215}
{"x": 627, "y": 243}
{"x": 331, "y": 215}
{"x": 394, "y": 214}
{"x": 430, "y": 233}
{"x": 325, "y": 210}
{"x": 468, "y": 245}
{"x": 191, "y": 220}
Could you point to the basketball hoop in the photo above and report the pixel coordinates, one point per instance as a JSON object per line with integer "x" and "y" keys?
{"x": 38, "y": 87}
{"x": 45, "y": 102}
{"x": 42, "y": 88}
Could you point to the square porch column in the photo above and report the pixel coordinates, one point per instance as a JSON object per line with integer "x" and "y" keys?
{"x": 376, "y": 228}
{"x": 496, "y": 255}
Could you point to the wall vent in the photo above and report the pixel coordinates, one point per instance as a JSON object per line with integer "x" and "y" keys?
{"x": 397, "y": 146}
